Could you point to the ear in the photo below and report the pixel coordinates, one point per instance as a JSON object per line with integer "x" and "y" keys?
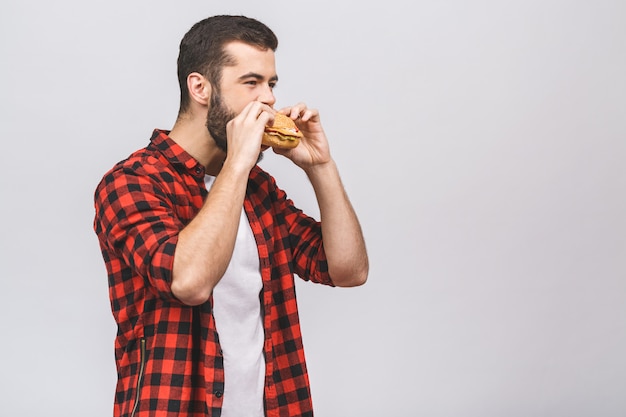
{"x": 199, "y": 88}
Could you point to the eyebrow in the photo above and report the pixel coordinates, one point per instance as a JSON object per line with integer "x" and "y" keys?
{"x": 257, "y": 76}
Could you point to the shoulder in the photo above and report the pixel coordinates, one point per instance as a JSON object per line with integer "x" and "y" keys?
{"x": 161, "y": 159}
{"x": 140, "y": 162}
{"x": 144, "y": 171}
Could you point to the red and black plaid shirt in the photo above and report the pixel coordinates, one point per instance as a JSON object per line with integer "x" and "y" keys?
{"x": 168, "y": 354}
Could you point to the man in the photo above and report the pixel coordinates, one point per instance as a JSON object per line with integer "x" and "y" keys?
{"x": 202, "y": 282}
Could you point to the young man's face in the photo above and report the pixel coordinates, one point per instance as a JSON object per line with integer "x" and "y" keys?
{"x": 253, "y": 77}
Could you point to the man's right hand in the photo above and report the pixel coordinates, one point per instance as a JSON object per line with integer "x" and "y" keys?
{"x": 244, "y": 134}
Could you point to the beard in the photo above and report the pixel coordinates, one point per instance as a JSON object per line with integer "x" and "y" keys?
{"x": 217, "y": 118}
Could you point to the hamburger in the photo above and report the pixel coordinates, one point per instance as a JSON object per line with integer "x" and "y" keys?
{"x": 283, "y": 134}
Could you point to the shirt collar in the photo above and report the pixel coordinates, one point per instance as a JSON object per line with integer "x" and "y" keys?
{"x": 175, "y": 153}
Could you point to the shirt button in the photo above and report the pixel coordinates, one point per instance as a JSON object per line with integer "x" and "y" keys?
{"x": 198, "y": 170}
{"x": 218, "y": 394}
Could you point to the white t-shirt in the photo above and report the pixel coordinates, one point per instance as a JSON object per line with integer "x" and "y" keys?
{"x": 237, "y": 312}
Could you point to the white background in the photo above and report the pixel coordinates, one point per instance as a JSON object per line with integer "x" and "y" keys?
{"x": 483, "y": 144}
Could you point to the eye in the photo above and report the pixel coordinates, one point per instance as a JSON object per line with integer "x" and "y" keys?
{"x": 272, "y": 85}
{"x": 251, "y": 82}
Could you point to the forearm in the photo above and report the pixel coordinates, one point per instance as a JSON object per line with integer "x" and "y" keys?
{"x": 343, "y": 240}
{"x": 205, "y": 245}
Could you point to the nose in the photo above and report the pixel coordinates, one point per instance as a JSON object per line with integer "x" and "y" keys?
{"x": 267, "y": 96}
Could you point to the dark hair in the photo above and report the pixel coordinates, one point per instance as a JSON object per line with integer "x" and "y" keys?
{"x": 202, "y": 48}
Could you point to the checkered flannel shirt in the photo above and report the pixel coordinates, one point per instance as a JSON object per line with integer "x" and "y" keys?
{"x": 167, "y": 354}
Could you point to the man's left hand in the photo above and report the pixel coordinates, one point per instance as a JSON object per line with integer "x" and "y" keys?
{"x": 313, "y": 148}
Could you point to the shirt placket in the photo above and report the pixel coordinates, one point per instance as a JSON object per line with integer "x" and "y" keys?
{"x": 271, "y": 401}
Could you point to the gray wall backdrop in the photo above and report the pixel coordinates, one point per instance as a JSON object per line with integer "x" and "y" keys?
{"x": 482, "y": 142}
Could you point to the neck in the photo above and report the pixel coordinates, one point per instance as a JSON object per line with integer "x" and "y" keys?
{"x": 191, "y": 134}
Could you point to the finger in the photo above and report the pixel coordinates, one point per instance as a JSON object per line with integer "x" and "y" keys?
{"x": 254, "y": 109}
{"x": 266, "y": 118}
{"x": 309, "y": 114}
{"x": 293, "y": 111}
{"x": 297, "y": 110}
{"x": 249, "y": 109}
{"x": 281, "y": 151}
{"x": 285, "y": 110}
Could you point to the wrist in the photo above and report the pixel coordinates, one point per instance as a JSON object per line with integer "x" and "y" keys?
{"x": 320, "y": 169}
{"x": 322, "y": 174}
{"x": 236, "y": 169}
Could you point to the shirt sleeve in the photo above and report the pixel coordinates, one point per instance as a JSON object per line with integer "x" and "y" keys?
{"x": 136, "y": 223}
{"x": 305, "y": 237}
